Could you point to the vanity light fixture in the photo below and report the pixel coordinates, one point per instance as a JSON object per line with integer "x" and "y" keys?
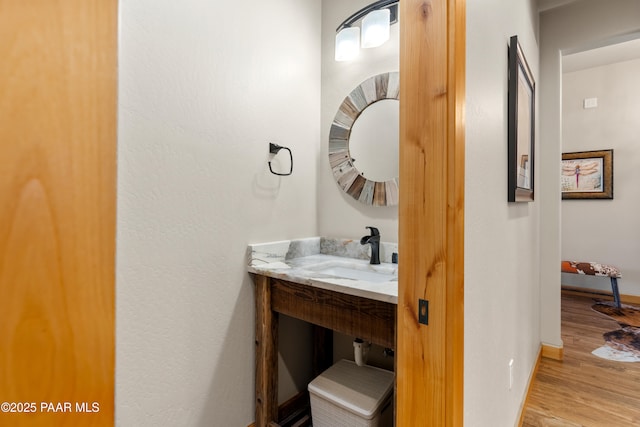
{"x": 375, "y": 28}
{"x": 376, "y": 20}
{"x": 347, "y": 43}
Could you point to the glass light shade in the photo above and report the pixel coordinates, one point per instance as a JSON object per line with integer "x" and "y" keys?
{"x": 347, "y": 43}
{"x": 375, "y": 28}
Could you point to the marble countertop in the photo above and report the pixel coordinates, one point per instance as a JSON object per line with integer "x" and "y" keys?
{"x": 323, "y": 263}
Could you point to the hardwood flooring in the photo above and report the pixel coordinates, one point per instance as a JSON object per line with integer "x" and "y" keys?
{"x": 584, "y": 390}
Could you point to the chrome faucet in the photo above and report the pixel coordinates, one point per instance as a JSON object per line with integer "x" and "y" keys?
{"x": 374, "y": 240}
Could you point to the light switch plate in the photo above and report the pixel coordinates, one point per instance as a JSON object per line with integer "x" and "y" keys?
{"x": 423, "y": 311}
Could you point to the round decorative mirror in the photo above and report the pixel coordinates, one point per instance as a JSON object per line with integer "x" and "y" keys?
{"x": 365, "y": 131}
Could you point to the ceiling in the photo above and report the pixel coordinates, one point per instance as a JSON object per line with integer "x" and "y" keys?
{"x": 551, "y": 4}
{"x": 619, "y": 50}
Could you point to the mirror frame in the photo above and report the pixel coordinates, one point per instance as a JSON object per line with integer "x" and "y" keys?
{"x": 348, "y": 177}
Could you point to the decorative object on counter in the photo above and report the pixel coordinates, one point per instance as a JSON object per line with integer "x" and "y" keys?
{"x": 522, "y": 93}
{"x": 373, "y": 239}
{"x": 595, "y": 269}
{"x": 587, "y": 175}
{"x": 352, "y": 181}
{"x": 273, "y": 150}
{"x": 376, "y": 21}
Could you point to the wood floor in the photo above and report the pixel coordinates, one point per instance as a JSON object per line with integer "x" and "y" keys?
{"x": 584, "y": 390}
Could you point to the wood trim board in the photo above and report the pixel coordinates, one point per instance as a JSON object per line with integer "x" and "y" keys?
{"x": 364, "y": 318}
{"x": 530, "y": 385}
{"x": 575, "y": 290}
{"x": 430, "y": 357}
{"x": 552, "y": 352}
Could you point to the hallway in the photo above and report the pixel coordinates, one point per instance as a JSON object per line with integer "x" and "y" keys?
{"x": 584, "y": 390}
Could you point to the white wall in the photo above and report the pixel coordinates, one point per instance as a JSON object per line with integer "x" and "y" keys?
{"x": 604, "y": 230}
{"x": 502, "y": 301}
{"x": 339, "y": 215}
{"x": 574, "y": 27}
{"x": 501, "y": 272}
{"x": 203, "y": 88}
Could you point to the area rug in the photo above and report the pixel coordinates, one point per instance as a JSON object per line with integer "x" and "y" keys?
{"x": 621, "y": 345}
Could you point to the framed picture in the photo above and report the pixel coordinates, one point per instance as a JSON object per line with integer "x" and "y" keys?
{"x": 587, "y": 175}
{"x": 522, "y": 91}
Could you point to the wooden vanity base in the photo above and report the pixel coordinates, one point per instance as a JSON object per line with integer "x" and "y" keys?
{"x": 355, "y": 316}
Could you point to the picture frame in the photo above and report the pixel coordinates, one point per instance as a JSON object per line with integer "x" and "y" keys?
{"x": 521, "y": 132}
{"x": 587, "y": 175}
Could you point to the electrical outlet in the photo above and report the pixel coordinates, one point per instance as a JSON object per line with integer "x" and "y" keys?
{"x": 510, "y": 374}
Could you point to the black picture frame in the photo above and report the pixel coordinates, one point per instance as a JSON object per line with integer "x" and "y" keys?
{"x": 597, "y": 175}
{"x": 521, "y": 133}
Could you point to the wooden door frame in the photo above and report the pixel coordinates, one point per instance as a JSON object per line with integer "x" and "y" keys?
{"x": 431, "y": 213}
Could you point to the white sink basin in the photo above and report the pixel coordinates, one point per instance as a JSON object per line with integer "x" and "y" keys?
{"x": 357, "y": 271}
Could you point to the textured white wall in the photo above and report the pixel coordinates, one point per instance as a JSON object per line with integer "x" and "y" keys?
{"x": 203, "y": 88}
{"x": 502, "y": 301}
{"x": 501, "y": 274}
{"x": 604, "y": 230}
{"x": 575, "y": 27}
{"x": 340, "y": 215}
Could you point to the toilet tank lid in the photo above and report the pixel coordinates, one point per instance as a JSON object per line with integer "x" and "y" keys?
{"x": 358, "y": 389}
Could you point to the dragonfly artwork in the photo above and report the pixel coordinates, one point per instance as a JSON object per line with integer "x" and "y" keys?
{"x": 587, "y": 175}
{"x": 582, "y": 175}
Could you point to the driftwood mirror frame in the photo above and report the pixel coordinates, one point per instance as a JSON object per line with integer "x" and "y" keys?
{"x": 348, "y": 177}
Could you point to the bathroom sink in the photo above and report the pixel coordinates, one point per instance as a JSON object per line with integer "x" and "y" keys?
{"x": 356, "y": 271}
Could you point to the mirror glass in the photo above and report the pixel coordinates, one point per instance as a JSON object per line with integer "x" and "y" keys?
{"x": 363, "y": 141}
{"x": 373, "y": 143}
